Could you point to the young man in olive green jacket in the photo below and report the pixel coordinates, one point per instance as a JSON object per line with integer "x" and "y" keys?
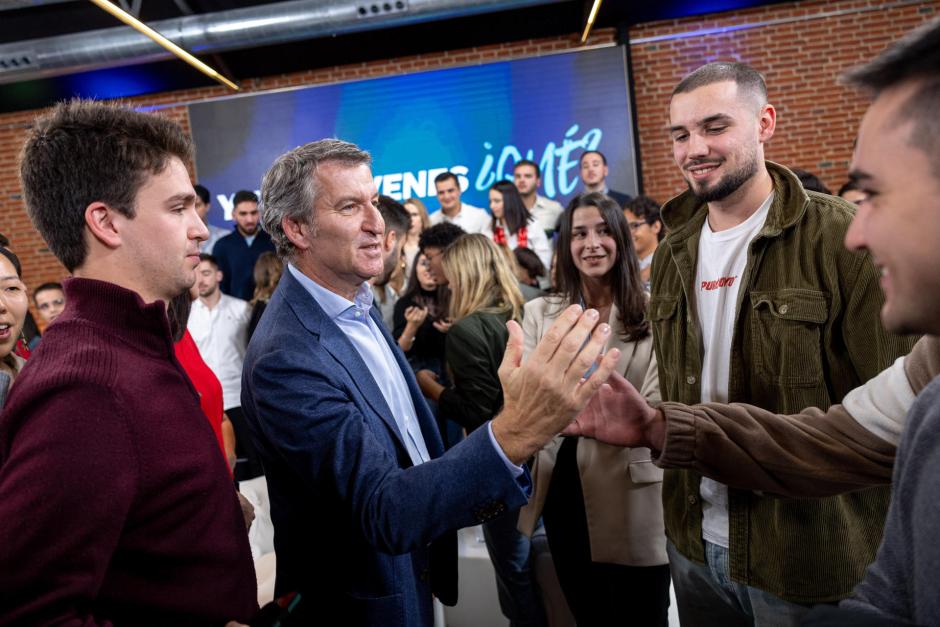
{"x": 755, "y": 300}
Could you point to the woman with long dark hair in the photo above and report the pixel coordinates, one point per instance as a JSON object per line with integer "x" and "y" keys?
{"x": 423, "y": 303}
{"x": 601, "y": 504}
{"x": 512, "y": 225}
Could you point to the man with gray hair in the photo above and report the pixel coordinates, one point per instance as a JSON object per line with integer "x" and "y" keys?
{"x": 755, "y": 300}
{"x": 364, "y": 499}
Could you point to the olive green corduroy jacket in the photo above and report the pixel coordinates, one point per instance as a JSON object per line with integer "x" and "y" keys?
{"x": 806, "y": 331}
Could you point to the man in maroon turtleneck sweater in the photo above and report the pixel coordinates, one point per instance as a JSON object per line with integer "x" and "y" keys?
{"x": 115, "y": 506}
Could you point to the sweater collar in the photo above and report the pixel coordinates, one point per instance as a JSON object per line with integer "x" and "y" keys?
{"x": 118, "y": 311}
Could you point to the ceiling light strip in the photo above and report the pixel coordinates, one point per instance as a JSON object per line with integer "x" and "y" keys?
{"x": 133, "y": 22}
{"x": 590, "y": 21}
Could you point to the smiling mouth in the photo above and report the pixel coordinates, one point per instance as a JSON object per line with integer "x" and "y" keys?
{"x": 702, "y": 170}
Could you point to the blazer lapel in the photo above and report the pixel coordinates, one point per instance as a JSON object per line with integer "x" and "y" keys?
{"x": 334, "y": 341}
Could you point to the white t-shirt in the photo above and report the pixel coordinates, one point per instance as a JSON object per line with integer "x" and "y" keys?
{"x": 220, "y": 335}
{"x": 546, "y": 212}
{"x": 471, "y": 219}
{"x": 722, "y": 259}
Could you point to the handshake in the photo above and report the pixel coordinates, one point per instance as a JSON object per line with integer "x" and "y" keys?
{"x": 549, "y": 394}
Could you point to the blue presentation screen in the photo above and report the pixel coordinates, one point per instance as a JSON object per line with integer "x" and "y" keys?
{"x": 474, "y": 121}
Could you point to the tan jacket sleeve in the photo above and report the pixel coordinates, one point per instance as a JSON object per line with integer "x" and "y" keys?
{"x": 810, "y": 454}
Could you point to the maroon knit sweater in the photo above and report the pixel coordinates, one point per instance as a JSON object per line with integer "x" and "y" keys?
{"x": 115, "y": 505}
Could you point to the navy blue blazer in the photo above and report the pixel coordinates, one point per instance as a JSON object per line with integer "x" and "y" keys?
{"x": 364, "y": 535}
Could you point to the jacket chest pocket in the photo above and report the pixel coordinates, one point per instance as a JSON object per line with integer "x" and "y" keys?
{"x": 787, "y": 328}
{"x": 662, "y": 315}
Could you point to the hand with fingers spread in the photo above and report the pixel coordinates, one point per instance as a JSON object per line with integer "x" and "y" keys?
{"x": 619, "y": 415}
{"x": 542, "y": 396}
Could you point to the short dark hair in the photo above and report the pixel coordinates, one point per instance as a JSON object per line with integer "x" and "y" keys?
{"x": 443, "y": 176}
{"x": 810, "y": 181}
{"x": 744, "y": 76}
{"x": 4, "y": 241}
{"x": 440, "y": 236}
{"x": 592, "y": 152}
{"x": 45, "y": 287}
{"x": 646, "y": 209}
{"x": 529, "y": 261}
{"x": 531, "y": 164}
{"x": 913, "y": 59}
{"x": 210, "y": 258}
{"x": 203, "y": 193}
{"x": 9, "y": 254}
{"x": 395, "y": 215}
{"x": 244, "y": 195}
{"x": 83, "y": 152}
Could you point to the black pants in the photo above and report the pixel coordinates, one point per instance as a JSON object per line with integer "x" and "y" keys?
{"x": 247, "y": 460}
{"x": 597, "y": 593}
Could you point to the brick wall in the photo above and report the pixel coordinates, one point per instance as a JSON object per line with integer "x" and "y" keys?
{"x": 801, "y": 47}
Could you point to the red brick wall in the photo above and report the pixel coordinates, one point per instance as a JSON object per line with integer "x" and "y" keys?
{"x": 801, "y": 59}
{"x": 801, "y": 48}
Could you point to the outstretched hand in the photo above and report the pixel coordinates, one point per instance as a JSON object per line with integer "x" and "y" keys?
{"x": 542, "y": 396}
{"x": 619, "y": 415}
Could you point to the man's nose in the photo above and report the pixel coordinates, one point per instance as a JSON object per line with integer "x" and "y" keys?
{"x": 698, "y": 147}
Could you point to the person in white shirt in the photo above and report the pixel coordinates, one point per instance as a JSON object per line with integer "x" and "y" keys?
{"x": 528, "y": 177}
{"x": 471, "y": 219}
{"x": 219, "y": 326}
{"x": 512, "y": 225}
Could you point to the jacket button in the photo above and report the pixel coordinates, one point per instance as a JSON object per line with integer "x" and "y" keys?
{"x": 784, "y": 309}
{"x": 693, "y": 499}
{"x": 690, "y": 380}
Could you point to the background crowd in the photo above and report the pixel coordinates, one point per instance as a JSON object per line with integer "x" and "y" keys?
{"x": 752, "y": 298}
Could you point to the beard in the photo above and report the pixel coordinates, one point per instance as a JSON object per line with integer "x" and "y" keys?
{"x": 728, "y": 184}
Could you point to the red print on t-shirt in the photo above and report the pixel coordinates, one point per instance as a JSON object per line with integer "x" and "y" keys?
{"x": 725, "y": 281}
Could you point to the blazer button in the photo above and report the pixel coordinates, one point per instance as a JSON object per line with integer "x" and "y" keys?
{"x": 784, "y": 309}
{"x": 693, "y": 499}
{"x": 690, "y": 380}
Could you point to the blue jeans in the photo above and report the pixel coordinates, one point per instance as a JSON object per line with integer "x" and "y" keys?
{"x": 706, "y": 595}
{"x": 519, "y": 597}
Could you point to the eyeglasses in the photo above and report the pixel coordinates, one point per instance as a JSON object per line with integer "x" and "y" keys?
{"x": 635, "y": 225}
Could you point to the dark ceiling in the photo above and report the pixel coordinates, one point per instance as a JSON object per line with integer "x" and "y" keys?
{"x": 59, "y": 18}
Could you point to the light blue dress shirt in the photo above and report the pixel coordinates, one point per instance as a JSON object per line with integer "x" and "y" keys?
{"x": 353, "y": 319}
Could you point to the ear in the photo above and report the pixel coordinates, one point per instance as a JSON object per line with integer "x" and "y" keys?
{"x": 100, "y": 220}
{"x": 298, "y": 233}
{"x": 656, "y": 227}
{"x": 767, "y": 122}
{"x": 390, "y": 240}
{"x": 218, "y": 275}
